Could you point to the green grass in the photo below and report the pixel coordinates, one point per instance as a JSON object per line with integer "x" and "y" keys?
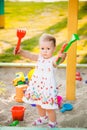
{"x": 8, "y": 56}
{"x": 84, "y": 60}
{"x": 82, "y": 10}
{"x": 57, "y": 27}
{"x": 17, "y": 11}
{"x": 83, "y": 30}
{"x": 24, "y": 11}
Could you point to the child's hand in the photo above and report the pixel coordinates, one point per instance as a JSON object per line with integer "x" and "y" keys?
{"x": 63, "y": 56}
{"x": 15, "y": 52}
{"x": 27, "y": 95}
{"x": 60, "y": 55}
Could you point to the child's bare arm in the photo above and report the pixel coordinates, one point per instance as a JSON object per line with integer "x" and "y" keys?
{"x": 28, "y": 55}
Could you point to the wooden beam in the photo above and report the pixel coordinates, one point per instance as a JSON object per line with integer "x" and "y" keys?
{"x": 1, "y": 13}
{"x": 71, "y": 56}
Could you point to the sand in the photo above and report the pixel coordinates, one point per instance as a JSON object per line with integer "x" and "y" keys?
{"x": 76, "y": 118}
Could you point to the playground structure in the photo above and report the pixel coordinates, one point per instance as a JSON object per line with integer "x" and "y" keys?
{"x": 72, "y": 29}
{"x": 2, "y": 20}
{"x": 71, "y": 57}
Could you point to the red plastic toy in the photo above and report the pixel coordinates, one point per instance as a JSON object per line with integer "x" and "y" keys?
{"x": 18, "y": 113}
{"x": 77, "y": 73}
{"x": 78, "y": 76}
{"x": 61, "y": 51}
{"x": 20, "y": 35}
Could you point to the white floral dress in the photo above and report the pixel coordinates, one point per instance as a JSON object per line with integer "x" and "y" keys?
{"x": 43, "y": 88}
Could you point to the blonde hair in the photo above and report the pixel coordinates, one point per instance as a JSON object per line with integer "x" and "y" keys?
{"x": 48, "y": 37}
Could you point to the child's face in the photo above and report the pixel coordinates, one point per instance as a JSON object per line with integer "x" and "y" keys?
{"x": 46, "y": 49}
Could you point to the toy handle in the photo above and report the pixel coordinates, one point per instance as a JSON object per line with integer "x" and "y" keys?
{"x": 68, "y": 46}
{"x": 61, "y": 51}
{"x": 18, "y": 45}
{"x": 63, "y": 110}
{"x": 14, "y": 123}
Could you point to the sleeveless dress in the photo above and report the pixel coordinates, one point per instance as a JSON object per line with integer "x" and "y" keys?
{"x": 43, "y": 89}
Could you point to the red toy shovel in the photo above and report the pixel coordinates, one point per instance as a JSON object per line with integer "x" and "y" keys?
{"x": 20, "y": 35}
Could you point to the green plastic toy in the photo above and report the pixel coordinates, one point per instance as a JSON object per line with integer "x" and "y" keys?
{"x": 74, "y": 38}
{"x": 14, "y": 123}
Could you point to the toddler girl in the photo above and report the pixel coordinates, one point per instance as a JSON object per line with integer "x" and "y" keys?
{"x": 43, "y": 89}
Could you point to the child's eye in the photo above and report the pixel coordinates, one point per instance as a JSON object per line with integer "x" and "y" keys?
{"x": 42, "y": 48}
{"x": 48, "y": 48}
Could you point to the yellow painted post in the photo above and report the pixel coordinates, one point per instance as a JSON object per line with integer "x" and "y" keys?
{"x": 1, "y": 14}
{"x": 71, "y": 56}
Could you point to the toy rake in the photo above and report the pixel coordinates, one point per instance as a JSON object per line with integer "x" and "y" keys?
{"x": 20, "y": 35}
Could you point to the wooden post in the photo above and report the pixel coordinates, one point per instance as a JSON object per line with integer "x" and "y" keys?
{"x": 71, "y": 56}
{"x": 1, "y": 14}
